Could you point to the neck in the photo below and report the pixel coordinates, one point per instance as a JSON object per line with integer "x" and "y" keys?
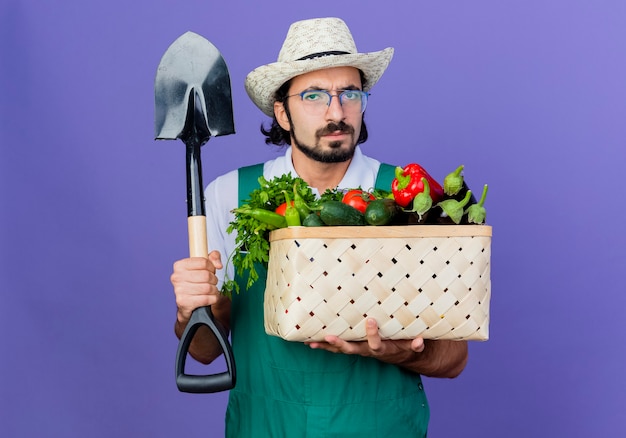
{"x": 321, "y": 176}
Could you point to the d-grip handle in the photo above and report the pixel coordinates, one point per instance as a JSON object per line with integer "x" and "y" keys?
{"x": 199, "y": 384}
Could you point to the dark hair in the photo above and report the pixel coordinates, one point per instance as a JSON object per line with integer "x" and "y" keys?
{"x": 279, "y": 136}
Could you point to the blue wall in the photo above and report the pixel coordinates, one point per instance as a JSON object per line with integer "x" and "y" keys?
{"x": 530, "y": 96}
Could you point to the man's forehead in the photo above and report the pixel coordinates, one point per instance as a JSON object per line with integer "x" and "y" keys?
{"x": 336, "y": 77}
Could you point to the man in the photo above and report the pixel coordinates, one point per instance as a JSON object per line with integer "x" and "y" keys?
{"x": 316, "y": 94}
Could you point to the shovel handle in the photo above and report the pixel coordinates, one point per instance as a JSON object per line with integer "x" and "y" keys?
{"x": 208, "y": 383}
{"x": 196, "y": 226}
{"x": 202, "y": 316}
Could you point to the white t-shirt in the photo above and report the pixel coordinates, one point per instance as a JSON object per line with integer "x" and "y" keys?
{"x": 221, "y": 197}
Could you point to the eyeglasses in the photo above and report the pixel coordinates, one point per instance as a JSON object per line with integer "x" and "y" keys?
{"x": 319, "y": 100}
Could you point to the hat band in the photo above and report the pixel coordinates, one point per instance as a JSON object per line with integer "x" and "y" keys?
{"x": 322, "y": 54}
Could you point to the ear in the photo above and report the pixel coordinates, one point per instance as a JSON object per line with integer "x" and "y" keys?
{"x": 281, "y": 116}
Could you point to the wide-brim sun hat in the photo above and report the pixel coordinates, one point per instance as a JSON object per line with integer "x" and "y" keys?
{"x": 311, "y": 45}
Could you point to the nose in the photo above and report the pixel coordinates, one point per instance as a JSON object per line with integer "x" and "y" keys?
{"x": 335, "y": 110}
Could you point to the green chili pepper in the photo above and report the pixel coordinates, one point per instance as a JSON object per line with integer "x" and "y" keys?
{"x": 476, "y": 213}
{"x": 271, "y": 219}
{"x": 292, "y": 217}
{"x": 299, "y": 202}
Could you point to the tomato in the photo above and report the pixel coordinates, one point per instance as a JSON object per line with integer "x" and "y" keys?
{"x": 358, "y": 199}
{"x": 282, "y": 208}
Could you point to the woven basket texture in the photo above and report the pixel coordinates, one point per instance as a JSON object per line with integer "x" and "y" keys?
{"x": 425, "y": 280}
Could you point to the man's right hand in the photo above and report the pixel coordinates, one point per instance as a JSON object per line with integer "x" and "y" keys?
{"x": 195, "y": 284}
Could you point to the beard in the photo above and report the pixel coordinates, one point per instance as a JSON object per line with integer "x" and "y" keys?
{"x": 336, "y": 154}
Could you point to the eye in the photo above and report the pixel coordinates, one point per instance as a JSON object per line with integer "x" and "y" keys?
{"x": 351, "y": 95}
{"x": 312, "y": 96}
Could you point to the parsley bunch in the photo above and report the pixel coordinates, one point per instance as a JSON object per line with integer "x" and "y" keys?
{"x": 252, "y": 240}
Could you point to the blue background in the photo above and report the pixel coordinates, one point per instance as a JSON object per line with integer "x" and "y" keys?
{"x": 530, "y": 96}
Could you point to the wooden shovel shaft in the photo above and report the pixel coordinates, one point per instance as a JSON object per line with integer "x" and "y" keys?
{"x": 196, "y": 226}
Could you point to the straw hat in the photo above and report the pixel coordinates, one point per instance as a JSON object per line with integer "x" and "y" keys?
{"x": 313, "y": 45}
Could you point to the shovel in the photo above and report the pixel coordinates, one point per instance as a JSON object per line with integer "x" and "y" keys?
{"x": 193, "y": 103}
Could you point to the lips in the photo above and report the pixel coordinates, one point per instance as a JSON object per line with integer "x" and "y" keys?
{"x": 336, "y": 130}
{"x": 335, "y": 134}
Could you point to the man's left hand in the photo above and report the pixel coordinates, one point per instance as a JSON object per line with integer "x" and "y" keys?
{"x": 391, "y": 351}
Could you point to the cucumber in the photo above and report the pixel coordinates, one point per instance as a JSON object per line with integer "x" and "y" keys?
{"x": 381, "y": 211}
{"x": 338, "y": 213}
{"x": 312, "y": 220}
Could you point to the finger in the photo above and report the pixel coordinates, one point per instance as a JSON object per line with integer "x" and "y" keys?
{"x": 374, "y": 340}
{"x": 417, "y": 345}
{"x": 191, "y": 264}
{"x": 202, "y": 264}
{"x": 194, "y": 289}
{"x": 338, "y": 345}
{"x": 201, "y": 277}
{"x": 188, "y": 303}
{"x": 322, "y": 346}
{"x": 195, "y": 270}
{"x": 192, "y": 279}
{"x": 216, "y": 258}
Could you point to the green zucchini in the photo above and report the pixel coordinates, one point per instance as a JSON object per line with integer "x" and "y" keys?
{"x": 338, "y": 213}
{"x": 313, "y": 220}
{"x": 381, "y": 211}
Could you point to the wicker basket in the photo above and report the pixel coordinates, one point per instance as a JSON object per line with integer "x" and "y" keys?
{"x": 422, "y": 280}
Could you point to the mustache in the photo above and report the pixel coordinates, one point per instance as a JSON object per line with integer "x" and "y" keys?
{"x": 335, "y": 127}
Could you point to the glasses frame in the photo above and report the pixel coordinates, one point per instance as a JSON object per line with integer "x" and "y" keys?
{"x": 338, "y": 94}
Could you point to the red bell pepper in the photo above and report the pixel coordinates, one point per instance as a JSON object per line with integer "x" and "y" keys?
{"x": 408, "y": 183}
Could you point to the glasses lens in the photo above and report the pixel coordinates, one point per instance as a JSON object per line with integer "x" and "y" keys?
{"x": 353, "y": 100}
{"x": 315, "y": 98}
{"x": 350, "y": 100}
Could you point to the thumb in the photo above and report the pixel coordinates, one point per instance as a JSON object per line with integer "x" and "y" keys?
{"x": 417, "y": 345}
{"x": 216, "y": 258}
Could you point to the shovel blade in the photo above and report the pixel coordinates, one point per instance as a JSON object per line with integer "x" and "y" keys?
{"x": 192, "y": 74}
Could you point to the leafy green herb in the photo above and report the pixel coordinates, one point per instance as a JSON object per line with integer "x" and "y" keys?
{"x": 382, "y": 194}
{"x": 330, "y": 195}
{"x": 252, "y": 240}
